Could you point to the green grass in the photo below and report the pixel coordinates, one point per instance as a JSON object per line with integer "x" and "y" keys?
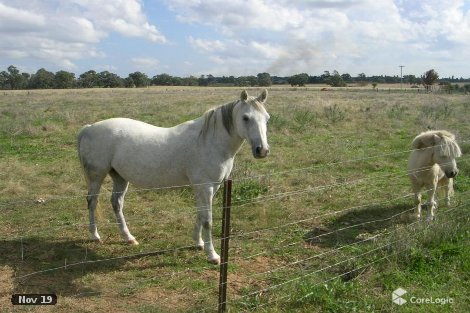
{"x": 314, "y": 138}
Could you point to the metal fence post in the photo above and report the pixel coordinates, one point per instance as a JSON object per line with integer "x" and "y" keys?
{"x": 224, "y": 245}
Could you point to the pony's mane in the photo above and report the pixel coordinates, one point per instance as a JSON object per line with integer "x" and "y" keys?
{"x": 210, "y": 117}
{"x": 448, "y": 146}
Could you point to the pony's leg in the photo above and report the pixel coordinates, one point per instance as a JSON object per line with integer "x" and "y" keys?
{"x": 448, "y": 186}
{"x": 204, "y": 195}
{"x": 418, "y": 204}
{"x": 432, "y": 199}
{"x": 417, "y": 193}
{"x": 92, "y": 199}
{"x": 117, "y": 201}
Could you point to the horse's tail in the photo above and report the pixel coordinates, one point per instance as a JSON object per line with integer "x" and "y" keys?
{"x": 81, "y": 157}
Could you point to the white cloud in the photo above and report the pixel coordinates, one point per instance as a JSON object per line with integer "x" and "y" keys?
{"x": 123, "y": 16}
{"x": 207, "y": 45}
{"x": 60, "y": 33}
{"x": 289, "y": 36}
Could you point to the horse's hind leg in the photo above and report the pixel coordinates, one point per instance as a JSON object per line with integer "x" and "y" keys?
{"x": 117, "y": 200}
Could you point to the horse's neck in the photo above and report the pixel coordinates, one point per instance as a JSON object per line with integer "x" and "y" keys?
{"x": 219, "y": 139}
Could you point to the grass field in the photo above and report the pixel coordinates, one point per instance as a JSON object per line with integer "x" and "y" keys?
{"x": 324, "y": 224}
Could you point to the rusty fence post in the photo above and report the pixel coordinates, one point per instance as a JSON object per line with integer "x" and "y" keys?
{"x": 224, "y": 245}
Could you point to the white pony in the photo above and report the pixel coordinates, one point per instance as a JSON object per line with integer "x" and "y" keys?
{"x": 432, "y": 165}
{"x": 199, "y": 152}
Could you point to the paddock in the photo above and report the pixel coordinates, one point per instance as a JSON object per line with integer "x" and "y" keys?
{"x": 328, "y": 215}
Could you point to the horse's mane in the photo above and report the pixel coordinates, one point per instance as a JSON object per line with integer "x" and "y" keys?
{"x": 447, "y": 147}
{"x": 210, "y": 116}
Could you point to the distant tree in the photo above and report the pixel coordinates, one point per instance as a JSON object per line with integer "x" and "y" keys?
{"x": 140, "y": 79}
{"x": 4, "y": 83}
{"x": 162, "y": 80}
{"x": 335, "y": 80}
{"x": 64, "y": 80}
{"x": 129, "y": 82}
{"x": 109, "y": 80}
{"x": 43, "y": 79}
{"x": 15, "y": 79}
{"x": 264, "y": 80}
{"x": 346, "y": 78}
{"x": 246, "y": 81}
{"x": 298, "y": 79}
{"x": 88, "y": 79}
{"x": 429, "y": 78}
{"x": 189, "y": 81}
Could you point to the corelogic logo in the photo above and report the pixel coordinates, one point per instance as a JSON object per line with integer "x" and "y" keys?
{"x": 397, "y": 296}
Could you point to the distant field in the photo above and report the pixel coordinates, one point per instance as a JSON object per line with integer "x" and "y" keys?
{"x": 324, "y": 224}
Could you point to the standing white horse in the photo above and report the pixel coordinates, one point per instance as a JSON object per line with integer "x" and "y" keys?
{"x": 198, "y": 152}
{"x": 432, "y": 165}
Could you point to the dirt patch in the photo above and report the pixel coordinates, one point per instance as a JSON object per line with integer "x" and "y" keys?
{"x": 6, "y": 287}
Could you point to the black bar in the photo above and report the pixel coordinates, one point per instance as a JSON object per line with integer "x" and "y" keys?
{"x": 224, "y": 245}
{"x": 34, "y": 299}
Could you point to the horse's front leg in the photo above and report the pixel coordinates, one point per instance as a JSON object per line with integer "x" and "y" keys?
{"x": 418, "y": 204}
{"x": 448, "y": 186}
{"x": 432, "y": 204}
{"x": 204, "y": 195}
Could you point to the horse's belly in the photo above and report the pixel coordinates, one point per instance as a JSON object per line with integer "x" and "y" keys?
{"x": 150, "y": 177}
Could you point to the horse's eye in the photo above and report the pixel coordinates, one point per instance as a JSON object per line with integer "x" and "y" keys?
{"x": 245, "y": 118}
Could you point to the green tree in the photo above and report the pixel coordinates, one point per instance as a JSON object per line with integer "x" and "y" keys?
{"x": 162, "y": 80}
{"x": 264, "y": 80}
{"x": 429, "y": 78}
{"x": 4, "y": 83}
{"x": 335, "y": 80}
{"x": 64, "y": 80}
{"x": 298, "y": 79}
{"x": 109, "y": 80}
{"x": 15, "y": 79}
{"x": 140, "y": 79}
{"x": 43, "y": 79}
{"x": 88, "y": 79}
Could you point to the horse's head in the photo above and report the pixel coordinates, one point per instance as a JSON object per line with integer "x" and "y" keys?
{"x": 250, "y": 122}
{"x": 445, "y": 152}
{"x": 438, "y": 147}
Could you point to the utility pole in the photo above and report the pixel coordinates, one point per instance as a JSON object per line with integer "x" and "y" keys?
{"x": 401, "y": 75}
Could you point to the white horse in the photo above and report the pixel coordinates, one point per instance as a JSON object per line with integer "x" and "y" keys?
{"x": 432, "y": 165}
{"x": 199, "y": 152}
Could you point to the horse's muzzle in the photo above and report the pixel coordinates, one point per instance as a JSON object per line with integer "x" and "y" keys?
{"x": 452, "y": 174}
{"x": 260, "y": 152}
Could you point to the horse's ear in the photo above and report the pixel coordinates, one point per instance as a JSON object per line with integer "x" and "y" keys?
{"x": 244, "y": 95}
{"x": 263, "y": 96}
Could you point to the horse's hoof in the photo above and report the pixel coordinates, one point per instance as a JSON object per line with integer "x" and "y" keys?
{"x": 132, "y": 242}
{"x": 215, "y": 261}
{"x": 98, "y": 240}
{"x": 200, "y": 247}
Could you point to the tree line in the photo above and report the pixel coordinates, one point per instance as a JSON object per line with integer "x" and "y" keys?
{"x": 12, "y": 78}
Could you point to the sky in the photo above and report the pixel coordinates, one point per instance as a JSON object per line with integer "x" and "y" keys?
{"x": 237, "y": 37}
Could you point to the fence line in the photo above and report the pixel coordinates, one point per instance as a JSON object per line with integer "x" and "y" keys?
{"x": 324, "y": 268}
{"x": 216, "y": 182}
{"x": 269, "y": 197}
{"x": 348, "y": 272}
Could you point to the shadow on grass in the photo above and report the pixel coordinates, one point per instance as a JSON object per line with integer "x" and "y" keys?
{"x": 359, "y": 225}
{"x": 41, "y": 266}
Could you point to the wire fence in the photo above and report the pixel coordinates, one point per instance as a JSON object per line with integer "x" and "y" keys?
{"x": 86, "y": 261}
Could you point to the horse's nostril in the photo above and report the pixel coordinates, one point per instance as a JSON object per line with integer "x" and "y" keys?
{"x": 258, "y": 150}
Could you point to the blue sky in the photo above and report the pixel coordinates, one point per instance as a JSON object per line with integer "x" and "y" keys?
{"x": 236, "y": 37}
